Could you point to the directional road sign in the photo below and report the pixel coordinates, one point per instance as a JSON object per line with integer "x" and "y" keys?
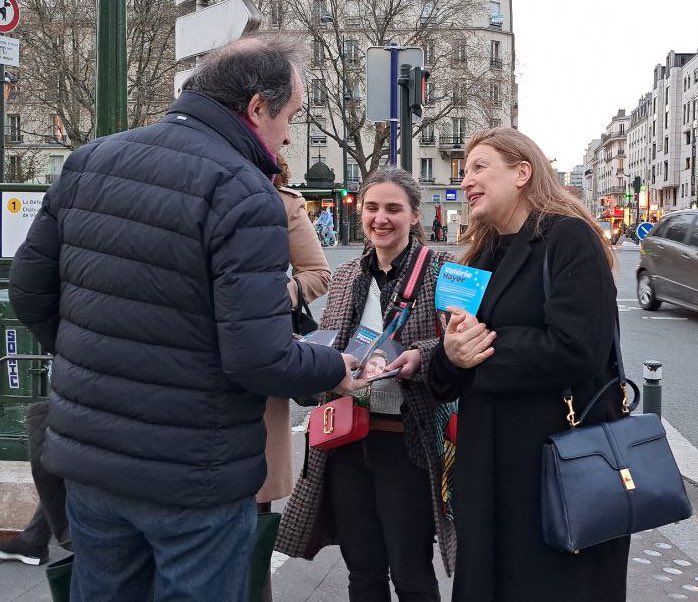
{"x": 643, "y": 230}
{"x": 9, "y": 15}
{"x": 212, "y": 27}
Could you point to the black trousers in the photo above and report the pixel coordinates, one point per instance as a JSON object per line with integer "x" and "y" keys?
{"x": 382, "y": 506}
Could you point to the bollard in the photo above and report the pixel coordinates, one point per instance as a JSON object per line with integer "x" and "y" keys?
{"x": 652, "y": 388}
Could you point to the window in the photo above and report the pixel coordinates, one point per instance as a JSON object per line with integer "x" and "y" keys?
{"x": 56, "y": 131}
{"x": 353, "y": 172}
{"x": 457, "y": 170}
{"x": 275, "y": 17}
{"x": 496, "y": 19}
{"x": 458, "y": 125}
{"x": 318, "y": 53}
{"x": 427, "y": 11}
{"x": 688, "y": 137}
{"x": 460, "y": 92}
{"x": 666, "y": 144}
{"x": 495, "y": 123}
{"x": 351, "y": 52}
{"x": 495, "y": 58}
{"x": 693, "y": 234}
{"x": 429, "y": 53}
{"x": 356, "y": 94}
{"x": 317, "y": 136}
{"x": 677, "y": 228}
{"x": 12, "y": 128}
{"x": 426, "y": 173}
{"x": 319, "y": 9}
{"x": 430, "y": 93}
{"x": 460, "y": 53}
{"x": 427, "y": 136}
{"x": 14, "y": 169}
{"x": 495, "y": 95}
{"x": 688, "y": 162}
{"x": 55, "y": 166}
{"x": 666, "y": 170}
{"x": 318, "y": 94}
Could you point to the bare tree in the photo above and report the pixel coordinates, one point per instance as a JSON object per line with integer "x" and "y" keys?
{"x": 463, "y": 82}
{"x": 58, "y": 61}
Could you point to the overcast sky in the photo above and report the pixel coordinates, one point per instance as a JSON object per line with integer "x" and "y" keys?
{"x": 579, "y": 61}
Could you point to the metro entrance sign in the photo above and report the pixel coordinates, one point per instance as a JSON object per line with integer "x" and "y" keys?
{"x": 9, "y": 15}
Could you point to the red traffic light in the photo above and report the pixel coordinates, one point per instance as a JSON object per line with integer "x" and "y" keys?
{"x": 348, "y": 199}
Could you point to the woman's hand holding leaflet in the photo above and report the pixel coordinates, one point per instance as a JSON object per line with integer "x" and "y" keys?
{"x": 467, "y": 342}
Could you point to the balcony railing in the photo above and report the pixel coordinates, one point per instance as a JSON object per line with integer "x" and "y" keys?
{"x": 14, "y": 138}
{"x": 427, "y": 140}
{"x": 51, "y": 178}
{"x": 457, "y": 180}
{"x": 496, "y": 63}
{"x": 318, "y": 140}
{"x": 451, "y": 141}
{"x": 426, "y": 179}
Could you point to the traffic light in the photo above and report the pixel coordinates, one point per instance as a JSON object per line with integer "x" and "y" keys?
{"x": 344, "y": 192}
{"x": 628, "y": 196}
{"x": 348, "y": 199}
{"x": 417, "y": 89}
{"x": 637, "y": 183}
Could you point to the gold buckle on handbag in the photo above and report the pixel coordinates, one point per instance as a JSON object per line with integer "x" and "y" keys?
{"x": 627, "y": 479}
{"x": 571, "y": 416}
{"x": 328, "y": 420}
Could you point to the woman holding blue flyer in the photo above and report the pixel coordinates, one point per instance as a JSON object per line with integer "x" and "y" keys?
{"x": 378, "y": 497}
{"x": 509, "y": 364}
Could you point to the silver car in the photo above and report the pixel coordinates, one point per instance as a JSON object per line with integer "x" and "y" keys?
{"x": 668, "y": 269}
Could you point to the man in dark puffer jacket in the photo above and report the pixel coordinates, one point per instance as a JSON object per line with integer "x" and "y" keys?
{"x": 156, "y": 273}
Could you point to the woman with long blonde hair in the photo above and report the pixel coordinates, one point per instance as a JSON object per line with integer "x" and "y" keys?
{"x": 509, "y": 365}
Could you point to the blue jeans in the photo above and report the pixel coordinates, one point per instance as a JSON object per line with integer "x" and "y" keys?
{"x": 125, "y": 549}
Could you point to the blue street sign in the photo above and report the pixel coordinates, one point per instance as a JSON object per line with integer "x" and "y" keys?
{"x": 643, "y": 230}
{"x": 451, "y": 194}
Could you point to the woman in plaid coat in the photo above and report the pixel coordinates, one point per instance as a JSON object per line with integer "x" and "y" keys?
{"x": 379, "y": 498}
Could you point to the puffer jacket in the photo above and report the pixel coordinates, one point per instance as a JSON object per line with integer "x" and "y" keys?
{"x": 156, "y": 272}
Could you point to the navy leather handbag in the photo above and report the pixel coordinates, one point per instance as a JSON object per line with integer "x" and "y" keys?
{"x": 610, "y": 479}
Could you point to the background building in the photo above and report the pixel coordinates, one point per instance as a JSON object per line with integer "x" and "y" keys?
{"x": 469, "y": 50}
{"x": 655, "y": 147}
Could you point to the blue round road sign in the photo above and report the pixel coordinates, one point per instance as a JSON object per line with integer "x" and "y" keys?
{"x": 643, "y": 230}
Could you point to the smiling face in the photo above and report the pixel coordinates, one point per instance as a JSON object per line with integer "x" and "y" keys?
{"x": 493, "y": 189}
{"x": 375, "y": 366}
{"x": 387, "y": 217}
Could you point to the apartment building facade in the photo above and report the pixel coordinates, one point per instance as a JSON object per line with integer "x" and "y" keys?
{"x": 659, "y": 143}
{"x": 457, "y": 101}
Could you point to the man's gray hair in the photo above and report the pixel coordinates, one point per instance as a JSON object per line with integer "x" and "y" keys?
{"x": 255, "y": 64}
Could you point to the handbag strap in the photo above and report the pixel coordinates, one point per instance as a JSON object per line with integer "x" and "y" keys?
{"x": 404, "y": 299}
{"x": 620, "y": 379}
{"x": 302, "y": 303}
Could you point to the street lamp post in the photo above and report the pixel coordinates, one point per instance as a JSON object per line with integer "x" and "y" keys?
{"x": 341, "y": 210}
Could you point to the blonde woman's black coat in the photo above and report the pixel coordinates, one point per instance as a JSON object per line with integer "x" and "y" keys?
{"x": 512, "y": 402}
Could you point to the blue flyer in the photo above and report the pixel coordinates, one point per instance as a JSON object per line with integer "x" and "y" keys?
{"x": 461, "y": 286}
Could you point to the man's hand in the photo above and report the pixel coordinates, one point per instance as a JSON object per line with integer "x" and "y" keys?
{"x": 467, "y": 342}
{"x": 349, "y": 383}
{"x": 408, "y": 361}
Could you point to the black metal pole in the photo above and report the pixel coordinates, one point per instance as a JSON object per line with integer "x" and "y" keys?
{"x": 344, "y": 227}
{"x": 652, "y": 388}
{"x": 405, "y": 119}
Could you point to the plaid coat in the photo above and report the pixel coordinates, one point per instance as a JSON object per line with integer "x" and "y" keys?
{"x": 307, "y": 524}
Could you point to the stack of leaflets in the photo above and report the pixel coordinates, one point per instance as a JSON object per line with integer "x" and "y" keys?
{"x": 374, "y": 351}
{"x": 459, "y": 286}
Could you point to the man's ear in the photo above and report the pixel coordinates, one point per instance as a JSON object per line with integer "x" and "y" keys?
{"x": 255, "y": 109}
{"x": 524, "y": 173}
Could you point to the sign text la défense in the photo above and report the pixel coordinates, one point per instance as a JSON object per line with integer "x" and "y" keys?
{"x": 9, "y": 15}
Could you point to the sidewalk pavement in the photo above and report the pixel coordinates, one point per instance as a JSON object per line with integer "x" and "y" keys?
{"x": 663, "y": 562}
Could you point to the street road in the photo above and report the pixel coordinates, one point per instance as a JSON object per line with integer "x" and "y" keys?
{"x": 669, "y": 335}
